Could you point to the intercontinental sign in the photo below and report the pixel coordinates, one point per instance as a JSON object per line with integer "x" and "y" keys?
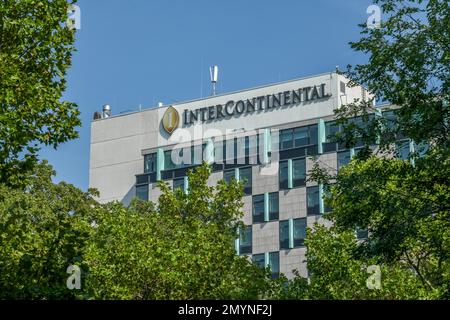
{"x": 255, "y": 104}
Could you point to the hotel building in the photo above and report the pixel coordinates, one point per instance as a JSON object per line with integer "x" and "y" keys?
{"x": 268, "y": 137}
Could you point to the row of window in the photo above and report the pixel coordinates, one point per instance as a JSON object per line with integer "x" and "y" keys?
{"x": 265, "y": 207}
{"x": 292, "y": 234}
{"x": 298, "y": 137}
{"x": 270, "y": 260}
{"x": 246, "y": 146}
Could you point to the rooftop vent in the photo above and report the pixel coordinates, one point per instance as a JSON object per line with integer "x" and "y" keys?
{"x": 106, "y": 111}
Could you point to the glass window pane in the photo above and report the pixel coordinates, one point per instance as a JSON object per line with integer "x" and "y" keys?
{"x": 274, "y": 264}
{"x": 245, "y": 240}
{"x": 403, "y": 150}
{"x": 312, "y": 199}
{"x": 361, "y": 234}
{"x": 390, "y": 119}
{"x": 142, "y": 192}
{"x": 301, "y": 137}
{"x": 273, "y": 206}
{"x": 178, "y": 184}
{"x": 299, "y": 232}
{"x": 284, "y": 234}
{"x": 283, "y": 175}
{"x": 331, "y": 128}
{"x": 150, "y": 163}
{"x": 168, "y": 164}
{"x": 245, "y": 175}
{"x": 299, "y": 172}
{"x": 258, "y": 208}
{"x": 313, "y": 134}
{"x": 259, "y": 260}
{"x": 228, "y": 175}
{"x": 286, "y": 139}
{"x": 343, "y": 158}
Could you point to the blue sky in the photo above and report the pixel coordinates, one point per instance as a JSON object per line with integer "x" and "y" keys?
{"x": 140, "y": 52}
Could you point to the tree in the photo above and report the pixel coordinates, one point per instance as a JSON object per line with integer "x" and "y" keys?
{"x": 336, "y": 272}
{"x": 43, "y": 230}
{"x": 406, "y": 211}
{"x": 180, "y": 248}
{"x": 404, "y": 205}
{"x": 36, "y": 47}
{"x": 408, "y": 66}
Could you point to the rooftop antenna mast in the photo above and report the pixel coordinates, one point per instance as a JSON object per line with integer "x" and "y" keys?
{"x": 214, "y": 73}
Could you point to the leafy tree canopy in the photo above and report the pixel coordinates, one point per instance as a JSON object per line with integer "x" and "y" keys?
{"x": 36, "y": 48}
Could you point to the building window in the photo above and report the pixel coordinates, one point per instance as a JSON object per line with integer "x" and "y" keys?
{"x": 286, "y": 139}
{"x": 298, "y": 172}
{"x": 185, "y": 157}
{"x": 259, "y": 260}
{"x": 283, "y": 175}
{"x": 228, "y": 175}
{"x": 312, "y": 200}
{"x": 301, "y": 137}
{"x": 343, "y": 158}
{"x": 142, "y": 192}
{"x": 178, "y": 184}
{"x": 273, "y": 262}
{"x": 245, "y": 175}
{"x": 273, "y": 206}
{"x": 298, "y": 137}
{"x": 362, "y": 234}
{"x": 284, "y": 234}
{"x": 258, "y": 208}
{"x": 150, "y": 163}
{"x": 259, "y": 205}
{"x": 299, "y": 232}
{"x": 245, "y": 240}
{"x": 327, "y": 196}
{"x": 403, "y": 150}
{"x": 331, "y": 129}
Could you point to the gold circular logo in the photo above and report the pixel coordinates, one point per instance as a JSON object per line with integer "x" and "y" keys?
{"x": 170, "y": 120}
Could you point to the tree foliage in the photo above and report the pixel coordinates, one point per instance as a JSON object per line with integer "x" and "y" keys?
{"x": 408, "y": 66}
{"x": 36, "y": 48}
{"x": 404, "y": 205}
{"x": 43, "y": 230}
{"x": 180, "y": 248}
{"x": 405, "y": 210}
